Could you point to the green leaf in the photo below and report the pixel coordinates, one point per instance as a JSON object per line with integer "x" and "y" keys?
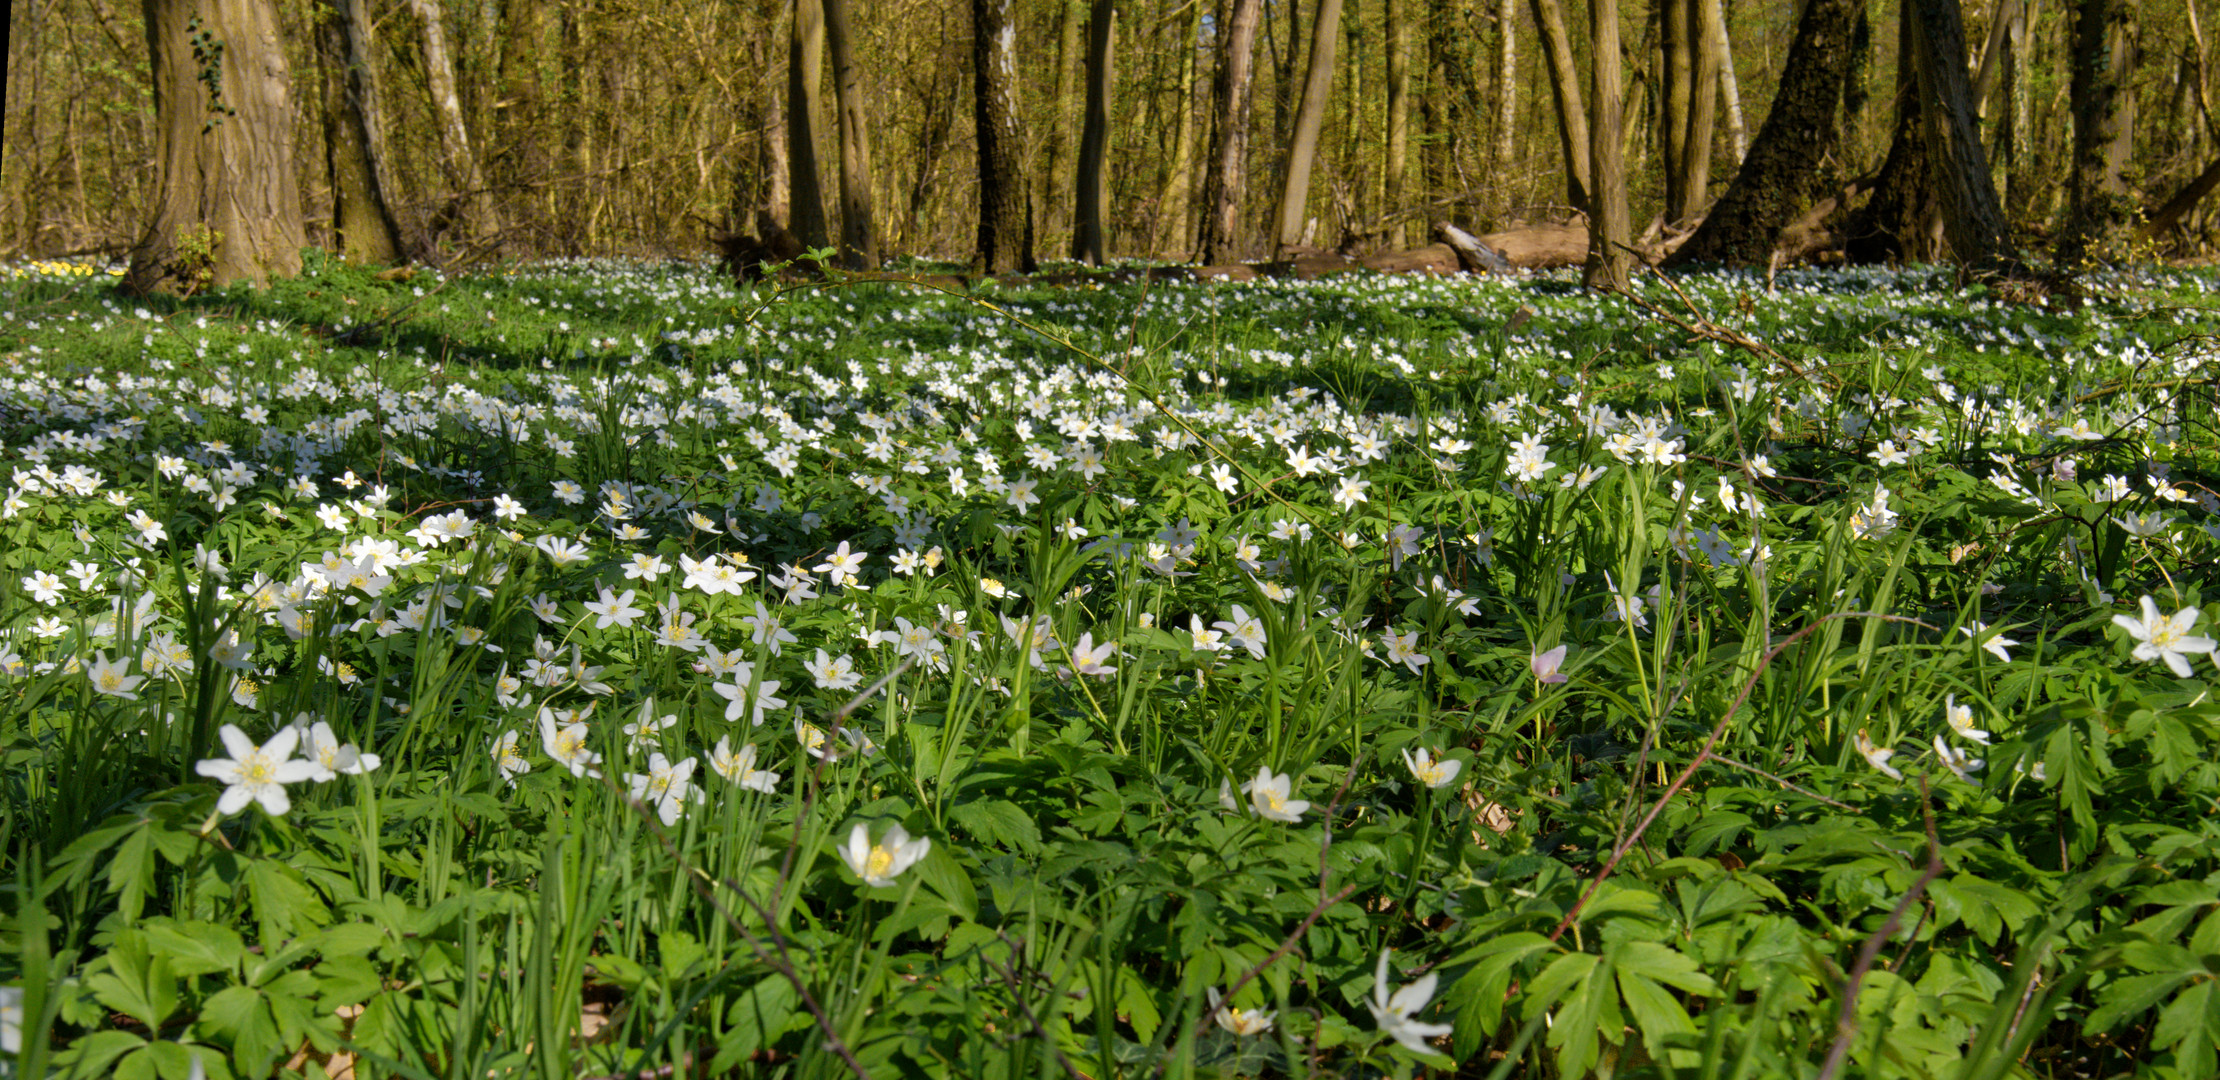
{"x": 2190, "y": 1024}
{"x": 284, "y": 905}
{"x": 1481, "y": 990}
{"x": 999, "y": 822}
{"x": 1587, "y": 1016}
{"x": 197, "y": 948}
{"x": 756, "y": 1019}
{"x": 242, "y": 1017}
{"x": 137, "y": 984}
{"x": 1138, "y": 1004}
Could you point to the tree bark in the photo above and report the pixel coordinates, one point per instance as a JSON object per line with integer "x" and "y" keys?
{"x": 1310, "y": 117}
{"x": 1396, "y": 169}
{"x": 1609, "y": 230}
{"x": 226, "y": 206}
{"x": 1702, "y": 112}
{"x": 1176, "y": 201}
{"x": 1972, "y": 218}
{"x": 469, "y": 212}
{"x": 1088, "y": 242}
{"x": 1675, "y": 99}
{"x": 1005, "y": 241}
{"x": 1564, "y": 85}
{"x": 363, "y": 225}
{"x": 805, "y": 59}
{"x": 1902, "y": 221}
{"x": 2099, "y": 207}
{"x": 1730, "y": 88}
{"x": 1506, "y": 83}
{"x": 859, "y": 232}
{"x": 1229, "y": 138}
{"x": 1071, "y": 49}
{"x": 1773, "y": 184}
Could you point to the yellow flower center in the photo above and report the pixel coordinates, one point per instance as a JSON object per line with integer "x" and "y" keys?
{"x": 878, "y": 862}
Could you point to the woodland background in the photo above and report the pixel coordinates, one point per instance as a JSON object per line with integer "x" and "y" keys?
{"x": 536, "y": 128}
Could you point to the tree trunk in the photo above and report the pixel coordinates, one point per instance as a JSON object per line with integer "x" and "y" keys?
{"x": 2099, "y": 207}
{"x": 1703, "y": 96}
{"x": 1398, "y": 147}
{"x": 1903, "y": 219}
{"x": 1071, "y": 49}
{"x": 1564, "y": 85}
{"x": 1005, "y": 243}
{"x": 1087, "y": 240}
{"x": 362, "y": 222}
{"x": 1229, "y": 138}
{"x": 1972, "y": 219}
{"x": 2173, "y": 210}
{"x": 1176, "y": 202}
{"x": 1609, "y": 230}
{"x": 226, "y": 205}
{"x": 805, "y": 59}
{"x": 1675, "y": 86}
{"x": 1302, "y": 150}
{"x": 469, "y": 212}
{"x": 1506, "y": 83}
{"x": 859, "y": 233}
{"x": 1774, "y": 183}
{"x": 1730, "y": 88}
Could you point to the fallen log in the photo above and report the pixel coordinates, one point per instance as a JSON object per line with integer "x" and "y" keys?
{"x": 1473, "y": 253}
{"x": 1305, "y": 267}
{"x": 1541, "y": 247}
{"x": 1437, "y": 259}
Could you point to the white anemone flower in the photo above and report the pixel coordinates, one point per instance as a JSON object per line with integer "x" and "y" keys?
{"x": 1960, "y": 719}
{"x": 1429, "y": 771}
{"x": 1396, "y": 1013}
{"x": 2164, "y": 637}
{"x": 1877, "y": 757}
{"x": 880, "y": 863}
{"x": 1239, "y": 1021}
{"x": 1269, "y": 792}
{"x": 664, "y": 788}
{"x": 1956, "y": 761}
{"x": 257, "y": 774}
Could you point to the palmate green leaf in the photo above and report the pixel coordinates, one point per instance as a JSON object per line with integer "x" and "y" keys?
{"x": 196, "y": 948}
{"x": 756, "y": 1019}
{"x": 1481, "y": 990}
{"x": 999, "y": 822}
{"x": 1586, "y": 1015}
{"x": 2131, "y": 997}
{"x": 241, "y": 1018}
{"x": 137, "y": 983}
{"x": 2190, "y": 1026}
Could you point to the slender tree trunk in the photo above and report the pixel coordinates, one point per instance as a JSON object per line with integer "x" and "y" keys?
{"x": 1229, "y": 138}
{"x": 1398, "y": 146}
{"x": 1071, "y": 50}
{"x": 1675, "y": 80}
{"x": 1087, "y": 241}
{"x": 1310, "y": 117}
{"x": 1609, "y": 230}
{"x": 1703, "y": 96}
{"x": 1173, "y": 219}
{"x": 1506, "y": 84}
{"x": 1005, "y": 240}
{"x": 859, "y": 232}
{"x": 2100, "y": 209}
{"x": 363, "y": 225}
{"x": 469, "y": 211}
{"x": 1972, "y": 219}
{"x": 2174, "y": 209}
{"x": 226, "y": 206}
{"x": 1774, "y": 183}
{"x": 1564, "y": 85}
{"x": 1730, "y": 88}
{"x": 805, "y": 60}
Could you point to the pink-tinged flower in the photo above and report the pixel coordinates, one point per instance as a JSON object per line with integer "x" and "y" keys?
{"x": 1544, "y": 665}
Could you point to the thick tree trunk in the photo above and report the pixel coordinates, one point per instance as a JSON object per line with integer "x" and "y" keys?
{"x": 363, "y": 226}
{"x": 1005, "y": 243}
{"x": 1609, "y": 230}
{"x": 1676, "y": 79}
{"x": 469, "y": 212}
{"x": 2099, "y": 206}
{"x": 1564, "y": 85}
{"x": 1229, "y": 138}
{"x": 1902, "y": 221}
{"x": 226, "y": 206}
{"x": 805, "y": 60}
{"x": 1088, "y": 242}
{"x": 1774, "y": 184}
{"x": 1972, "y": 219}
{"x": 1302, "y": 150}
{"x": 859, "y": 231}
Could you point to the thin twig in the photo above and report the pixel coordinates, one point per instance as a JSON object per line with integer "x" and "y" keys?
{"x": 1704, "y": 754}
{"x": 1846, "y": 1022}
